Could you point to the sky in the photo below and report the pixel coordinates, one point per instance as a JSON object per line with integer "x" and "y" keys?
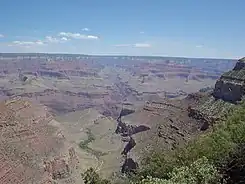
{"x": 188, "y": 28}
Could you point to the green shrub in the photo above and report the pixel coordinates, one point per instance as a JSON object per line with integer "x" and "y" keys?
{"x": 85, "y": 145}
{"x": 201, "y": 161}
{"x": 91, "y": 138}
{"x": 199, "y": 172}
{"x": 232, "y": 167}
{"x": 91, "y": 177}
{"x": 215, "y": 145}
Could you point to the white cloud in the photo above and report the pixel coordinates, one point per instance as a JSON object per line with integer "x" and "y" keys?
{"x": 1, "y": 35}
{"x": 39, "y": 42}
{"x": 92, "y": 37}
{"x": 136, "y": 45}
{"x": 45, "y": 41}
{"x": 78, "y": 36}
{"x": 22, "y": 43}
{"x": 85, "y": 29}
{"x": 51, "y": 39}
{"x": 142, "y": 32}
{"x": 64, "y": 39}
{"x": 142, "y": 45}
{"x": 26, "y": 43}
{"x": 123, "y": 45}
{"x": 161, "y": 46}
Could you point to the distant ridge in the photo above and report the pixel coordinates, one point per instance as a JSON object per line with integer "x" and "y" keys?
{"x": 108, "y": 55}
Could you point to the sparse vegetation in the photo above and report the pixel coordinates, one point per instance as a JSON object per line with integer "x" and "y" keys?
{"x": 206, "y": 89}
{"x": 84, "y": 145}
{"x": 96, "y": 85}
{"x": 91, "y": 138}
{"x": 91, "y": 177}
{"x": 215, "y": 157}
{"x": 200, "y": 171}
{"x": 220, "y": 148}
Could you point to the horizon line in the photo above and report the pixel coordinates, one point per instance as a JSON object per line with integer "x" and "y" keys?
{"x": 117, "y": 55}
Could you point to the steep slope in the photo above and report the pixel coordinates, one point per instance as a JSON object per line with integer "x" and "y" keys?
{"x": 32, "y": 149}
{"x": 231, "y": 86}
{"x": 229, "y": 90}
{"x": 169, "y": 125}
{"x": 173, "y": 122}
{"x": 221, "y": 146}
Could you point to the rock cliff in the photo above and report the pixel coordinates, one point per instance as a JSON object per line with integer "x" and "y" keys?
{"x": 32, "y": 148}
{"x": 231, "y": 85}
{"x": 174, "y": 122}
{"x": 229, "y": 90}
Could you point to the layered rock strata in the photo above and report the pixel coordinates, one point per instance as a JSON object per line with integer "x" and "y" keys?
{"x": 28, "y": 136}
{"x": 229, "y": 90}
{"x": 231, "y": 85}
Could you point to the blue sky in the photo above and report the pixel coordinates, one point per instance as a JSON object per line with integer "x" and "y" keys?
{"x": 192, "y": 28}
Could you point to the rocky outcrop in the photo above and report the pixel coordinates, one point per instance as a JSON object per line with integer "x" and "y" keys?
{"x": 56, "y": 74}
{"x": 129, "y": 130}
{"x": 127, "y": 109}
{"x": 209, "y": 110}
{"x": 154, "y": 106}
{"x": 130, "y": 145}
{"x": 201, "y": 116}
{"x": 231, "y": 85}
{"x": 240, "y": 64}
{"x": 126, "y": 131}
{"x": 229, "y": 90}
{"x": 22, "y": 77}
{"x": 81, "y": 73}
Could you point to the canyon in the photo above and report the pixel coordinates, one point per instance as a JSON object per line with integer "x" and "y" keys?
{"x": 61, "y": 114}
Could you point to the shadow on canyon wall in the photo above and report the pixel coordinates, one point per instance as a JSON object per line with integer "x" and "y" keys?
{"x": 125, "y": 130}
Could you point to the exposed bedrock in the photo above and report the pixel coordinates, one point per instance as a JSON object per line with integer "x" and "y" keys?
{"x": 129, "y": 146}
{"x": 32, "y": 148}
{"x": 109, "y": 109}
{"x": 81, "y": 73}
{"x": 125, "y": 129}
{"x": 126, "y": 111}
{"x": 231, "y": 85}
{"x": 128, "y": 130}
{"x": 229, "y": 90}
{"x": 53, "y": 74}
{"x": 240, "y": 64}
{"x": 202, "y": 117}
{"x": 22, "y": 77}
